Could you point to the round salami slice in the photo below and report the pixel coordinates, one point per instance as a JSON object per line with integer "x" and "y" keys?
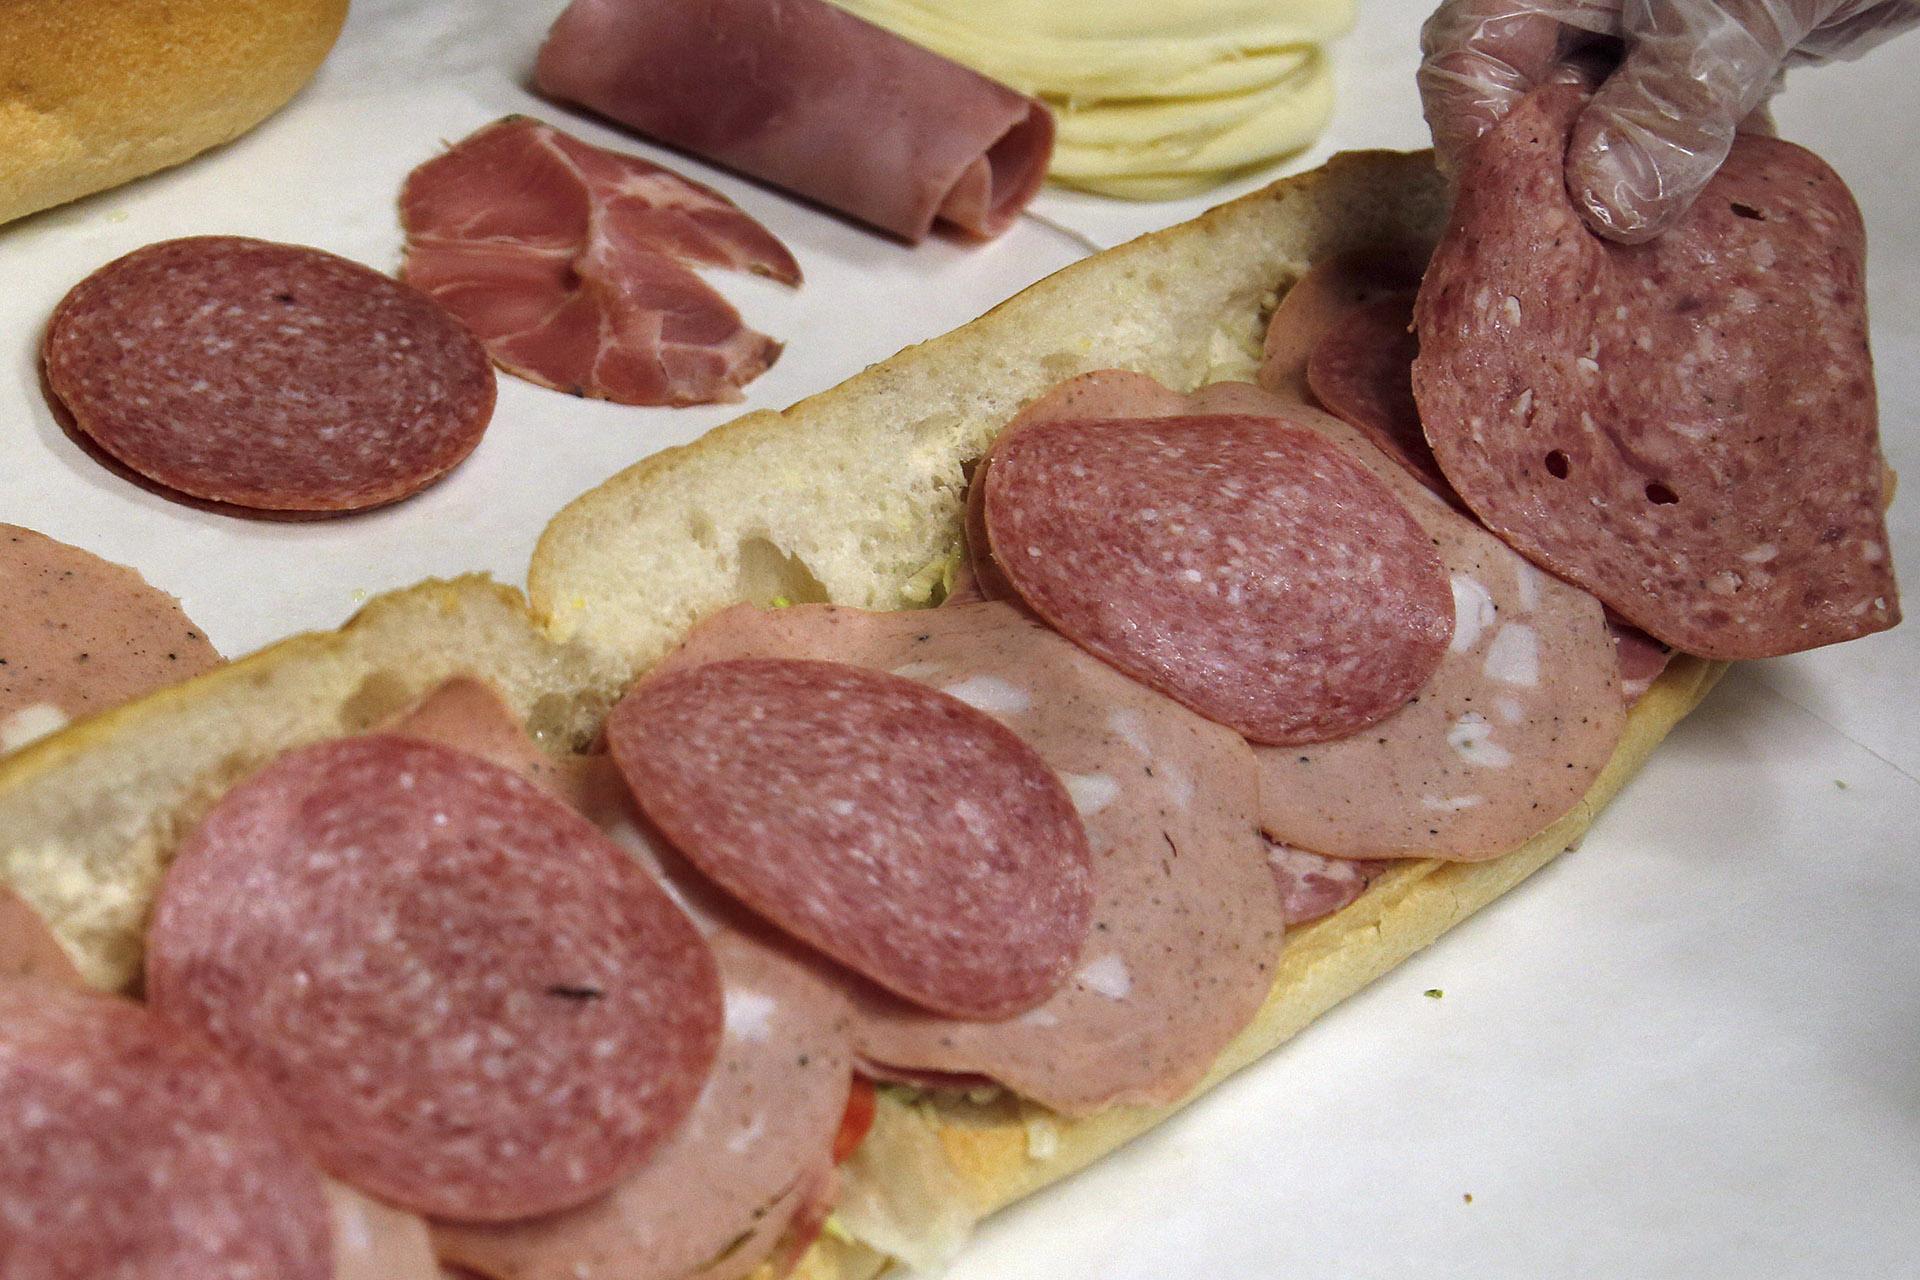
{"x": 267, "y": 376}
{"x": 1187, "y": 925}
{"x": 477, "y": 1006}
{"x": 897, "y": 829}
{"x": 133, "y": 1150}
{"x": 1686, "y": 428}
{"x": 1243, "y": 566}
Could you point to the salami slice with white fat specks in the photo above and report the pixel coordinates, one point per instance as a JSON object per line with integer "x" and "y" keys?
{"x": 475, "y": 1004}
{"x": 133, "y": 1150}
{"x": 267, "y": 376}
{"x": 1242, "y": 565}
{"x": 898, "y": 830}
{"x": 1686, "y": 427}
{"x": 1519, "y": 717}
{"x": 1186, "y": 921}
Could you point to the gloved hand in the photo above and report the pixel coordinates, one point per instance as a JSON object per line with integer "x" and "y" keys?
{"x": 1657, "y": 129}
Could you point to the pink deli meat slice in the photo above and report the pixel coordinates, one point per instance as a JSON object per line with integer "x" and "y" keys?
{"x": 475, "y": 1005}
{"x": 716, "y": 1198}
{"x": 573, "y": 265}
{"x": 375, "y": 1241}
{"x": 1518, "y": 719}
{"x": 82, "y": 635}
{"x": 1642, "y": 659}
{"x": 1686, "y": 428}
{"x": 28, "y": 948}
{"x": 134, "y": 1150}
{"x": 1244, "y": 565}
{"x": 1313, "y": 885}
{"x": 756, "y": 1151}
{"x": 811, "y": 99}
{"x": 1342, "y": 339}
{"x": 900, "y": 831}
{"x": 1187, "y": 922}
{"x": 267, "y": 376}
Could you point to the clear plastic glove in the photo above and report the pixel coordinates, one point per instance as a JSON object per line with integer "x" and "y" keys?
{"x": 1691, "y": 74}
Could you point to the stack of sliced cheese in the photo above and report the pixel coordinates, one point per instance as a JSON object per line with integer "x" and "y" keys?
{"x": 1155, "y": 100}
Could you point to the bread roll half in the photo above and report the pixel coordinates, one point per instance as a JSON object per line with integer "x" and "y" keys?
{"x": 94, "y": 93}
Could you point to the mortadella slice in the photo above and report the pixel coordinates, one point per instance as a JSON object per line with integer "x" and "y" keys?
{"x": 132, "y": 1149}
{"x": 1187, "y": 921}
{"x": 473, "y": 1002}
{"x": 375, "y": 1241}
{"x": 1517, "y": 720}
{"x": 811, "y": 99}
{"x": 901, "y": 831}
{"x": 28, "y": 948}
{"x": 1243, "y": 565}
{"x": 1686, "y": 427}
{"x": 82, "y": 634}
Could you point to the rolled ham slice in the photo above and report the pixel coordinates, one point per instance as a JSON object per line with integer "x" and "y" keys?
{"x": 812, "y": 100}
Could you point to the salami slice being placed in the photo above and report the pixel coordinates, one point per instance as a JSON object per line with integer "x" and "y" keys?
{"x": 812, "y": 99}
{"x": 475, "y": 1004}
{"x": 900, "y": 831}
{"x": 1686, "y": 428}
{"x": 1313, "y": 885}
{"x": 133, "y": 1150}
{"x": 266, "y": 376}
{"x": 574, "y": 263}
{"x": 1187, "y": 923}
{"x": 1243, "y": 565}
{"x": 82, "y": 634}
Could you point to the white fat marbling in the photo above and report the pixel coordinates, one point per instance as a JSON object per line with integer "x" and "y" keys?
{"x": 1179, "y": 783}
{"x": 1131, "y": 727}
{"x": 1527, "y": 579}
{"x": 1514, "y": 656}
{"x": 920, "y": 670}
{"x": 992, "y": 695}
{"x": 1473, "y": 612}
{"x": 1472, "y": 738}
{"x": 1041, "y": 1017}
{"x": 1107, "y": 976}
{"x": 1451, "y": 804}
{"x": 744, "y": 1139}
{"x": 749, "y": 1015}
{"x": 1091, "y": 792}
{"x": 30, "y": 723}
{"x": 1509, "y": 708}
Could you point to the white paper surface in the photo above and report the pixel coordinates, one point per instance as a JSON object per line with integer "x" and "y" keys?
{"x": 1692, "y": 1048}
